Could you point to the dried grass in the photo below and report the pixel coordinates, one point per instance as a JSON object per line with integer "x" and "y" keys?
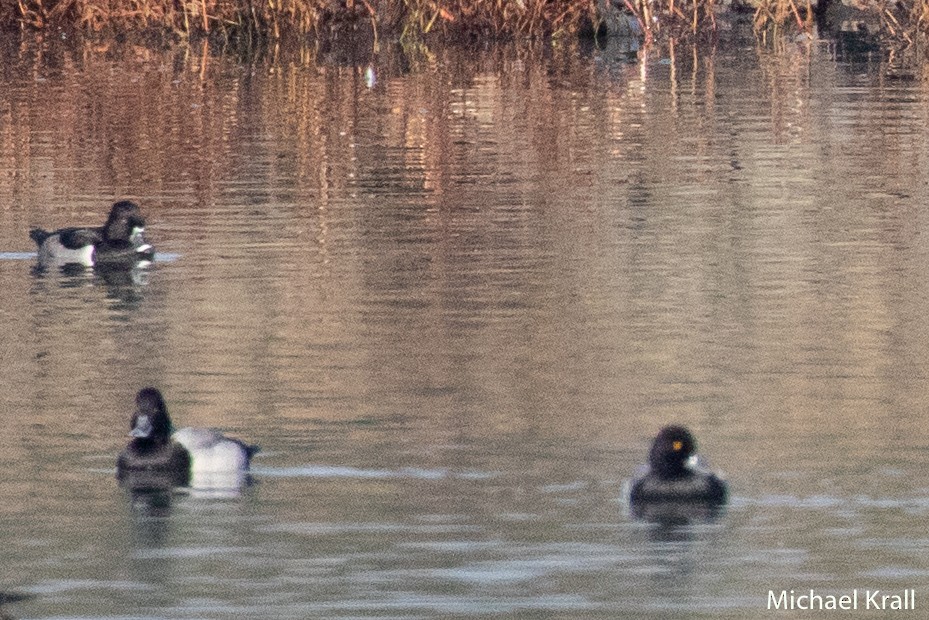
{"x": 272, "y": 18}
{"x": 903, "y": 20}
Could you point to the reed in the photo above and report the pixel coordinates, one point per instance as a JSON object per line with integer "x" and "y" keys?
{"x": 897, "y": 23}
{"x": 675, "y": 19}
{"x": 905, "y": 20}
{"x": 187, "y": 17}
{"x": 272, "y": 18}
{"x": 775, "y": 16}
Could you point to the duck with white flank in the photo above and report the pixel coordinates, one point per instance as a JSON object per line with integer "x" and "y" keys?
{"x": 200, "y": 457}
{"x": 120, "y": 241}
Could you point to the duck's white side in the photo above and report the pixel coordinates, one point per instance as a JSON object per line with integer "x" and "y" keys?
{"x": 216, "y": 461}
{"x": 212, "y": 452}
{"x": 52, "y": 252}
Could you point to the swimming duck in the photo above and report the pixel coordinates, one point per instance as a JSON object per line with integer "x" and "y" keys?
{"x": 674, "y": 473}
{"x": 195, "y": 452}
{"x": 151, "y": 451}
{"x": 119, "y": 241}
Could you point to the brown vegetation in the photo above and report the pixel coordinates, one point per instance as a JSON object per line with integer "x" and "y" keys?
{"x": 773, "y": 14}
{"x": 901, "y": 20}
{"x": 275, "y": 17}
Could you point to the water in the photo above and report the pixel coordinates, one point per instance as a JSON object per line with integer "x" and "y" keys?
{"x": 453, "y": 295}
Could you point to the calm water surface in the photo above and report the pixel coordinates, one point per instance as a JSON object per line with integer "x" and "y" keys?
{"x": 453, "y": 295}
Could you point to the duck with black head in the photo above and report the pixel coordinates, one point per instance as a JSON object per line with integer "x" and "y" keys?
{"x": 151, "y": 454}
{"x": 674, "y": 474}
{"x": 120, "y": 241}
{"x": 202, "y": 457}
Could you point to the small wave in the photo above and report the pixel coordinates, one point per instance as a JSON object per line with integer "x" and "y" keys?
{"x": 17, "y": 255}
{"x": 344, "y": 471}
{"x": 828, "y": 501}
{"x": 160, "y": 257}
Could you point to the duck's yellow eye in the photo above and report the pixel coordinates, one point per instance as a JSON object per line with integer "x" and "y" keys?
{"x": 677, "y": 445}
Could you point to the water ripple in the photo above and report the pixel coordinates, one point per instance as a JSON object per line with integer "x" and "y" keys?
{"x": 345, "y": 471}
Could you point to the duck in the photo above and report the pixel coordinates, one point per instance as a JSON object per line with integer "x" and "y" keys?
{"x": 197, "y": 457}
{"x": 675, "y": 475}
{"x": 152, "y": 458}
{"x": 120, "y": 241}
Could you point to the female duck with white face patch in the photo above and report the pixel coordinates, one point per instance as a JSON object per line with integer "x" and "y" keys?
{"x": 205, "y": 457}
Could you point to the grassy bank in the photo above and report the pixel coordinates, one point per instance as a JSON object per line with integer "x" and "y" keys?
{"x": 903, "y": 20}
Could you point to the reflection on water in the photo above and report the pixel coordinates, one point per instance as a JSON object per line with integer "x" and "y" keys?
{"x": 671, "y": 517}
{"x": 453, "y": 304}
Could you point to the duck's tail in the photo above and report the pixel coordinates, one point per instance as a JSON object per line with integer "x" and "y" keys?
{"x": 39, "y": 236}
{"x": 250, "y": 449}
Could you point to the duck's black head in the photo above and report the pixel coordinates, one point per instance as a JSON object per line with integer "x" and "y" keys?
{"x": 150, "y": 422}
{"x": 670, "y": 452}
{"x": 125, "y": 223}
